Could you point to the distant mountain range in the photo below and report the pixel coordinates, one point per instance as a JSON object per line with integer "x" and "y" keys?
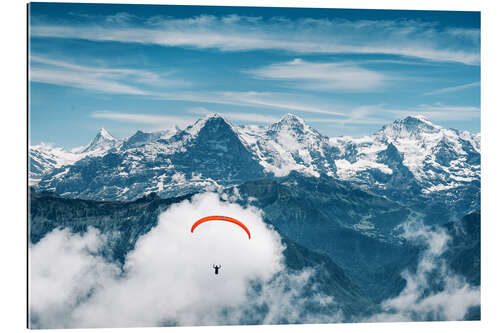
{"x": 45, "y": 158}
{"x": 411, "y": 161}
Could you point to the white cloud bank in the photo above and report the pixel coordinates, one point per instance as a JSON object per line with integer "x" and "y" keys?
{"x": 168, "y": 278}
{"x": 64, "y": 269}
{"x": 420, "y": 300}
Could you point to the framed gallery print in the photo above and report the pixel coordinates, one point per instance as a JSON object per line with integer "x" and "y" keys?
{"x": 218, "y": 165}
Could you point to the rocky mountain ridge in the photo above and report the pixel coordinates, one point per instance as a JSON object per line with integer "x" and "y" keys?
{"x": 410, "y": 160}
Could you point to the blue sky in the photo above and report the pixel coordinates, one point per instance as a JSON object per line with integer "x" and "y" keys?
{"x": 346, "y": 72}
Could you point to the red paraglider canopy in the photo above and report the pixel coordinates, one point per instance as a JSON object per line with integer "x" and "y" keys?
{"x": 220, "y": 218}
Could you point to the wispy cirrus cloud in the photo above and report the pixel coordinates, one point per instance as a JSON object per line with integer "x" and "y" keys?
{"x": 102, "y": 79}
{"x": 163, "y": 121}
{"x": 303, "y": 74}
{"x": 304, "y": 36}
{"x": 440, "y": 112}
{"x": 345, "y": 116}
{"x": 88, "y": 81}
{"x": 381, "y": 114}
{"x": 143, "y": 83}
{"x": 149, "y": 84}
{"x": 158, "y": 121}
{"x": 238, "y": 116}
{"x": 452, "y": 89}
{"x": 273, "y": 101}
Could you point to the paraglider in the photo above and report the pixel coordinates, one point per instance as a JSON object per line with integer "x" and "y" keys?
{"x": 217, "y": 268}
{"x": 220, "y": 218}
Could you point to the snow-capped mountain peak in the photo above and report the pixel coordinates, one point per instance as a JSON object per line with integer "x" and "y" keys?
{"x": 289, "y": 144}
{"x": 102, "y": 142}
{"x": 105, "y": 134}
{"x": 436, "y": 158}
{"x": 213, "y": 120}
{"x": 409, "y": 127}
{"x": 290, "y": 122}
{"x": 139, "y": 138}
{"x": 292, "y": 125}
{"x": 290, "y": 118}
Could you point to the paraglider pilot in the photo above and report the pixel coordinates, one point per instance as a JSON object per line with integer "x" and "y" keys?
{"x": 217, "y": 268}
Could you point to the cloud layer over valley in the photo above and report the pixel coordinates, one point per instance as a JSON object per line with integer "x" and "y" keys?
{"x": 433, "y": 291}
{"x": 168, "y": 278}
